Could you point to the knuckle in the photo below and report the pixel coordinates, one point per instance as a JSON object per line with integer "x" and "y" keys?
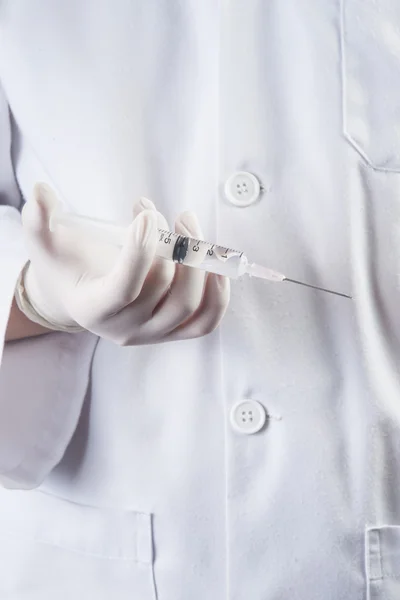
{"x": 121, "y": 294}
{"x": 209, "y": 327}
{"x": 188, "y": 307}
{"x": 126, "y": 340}
{"x": 127, "y": 297}
{"x": 132, "y": 337}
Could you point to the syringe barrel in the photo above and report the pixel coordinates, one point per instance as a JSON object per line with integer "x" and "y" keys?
{"x": 171, "y": 246}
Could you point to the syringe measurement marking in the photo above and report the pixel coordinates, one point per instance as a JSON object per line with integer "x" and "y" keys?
{"x": 196, "y": 247}
{"x": 210, "y": 251}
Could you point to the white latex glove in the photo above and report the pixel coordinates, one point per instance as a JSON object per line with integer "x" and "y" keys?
{"x": 127, "y": 295}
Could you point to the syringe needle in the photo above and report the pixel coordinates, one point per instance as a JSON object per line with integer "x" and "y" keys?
{"x": 181, "y": 249}
{"x": 315, "y": 287}
{"x": 256, "y": 270}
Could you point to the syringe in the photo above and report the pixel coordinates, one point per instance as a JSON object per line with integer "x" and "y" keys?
{"x": 178, "y": 248}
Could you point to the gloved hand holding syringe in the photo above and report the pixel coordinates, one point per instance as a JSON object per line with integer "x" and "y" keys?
{"x": 178, "y": 248}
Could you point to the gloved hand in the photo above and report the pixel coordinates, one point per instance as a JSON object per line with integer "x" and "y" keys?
{"x": 126, "y": 295}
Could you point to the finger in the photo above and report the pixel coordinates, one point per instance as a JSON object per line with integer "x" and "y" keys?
{"x": 159, "y": 278}
{"x": 209, "y": 314}
{"x": 157, "y": 282}
{"x": 188, "y": 224}
{"x": 142, "y": 204}
{"x": 186, "y": 291}
{"x": 162, "y": 271}
{"x": 124, "y": 283}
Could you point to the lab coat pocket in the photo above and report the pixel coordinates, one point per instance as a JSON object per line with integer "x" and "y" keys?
{"x": 382, "y": 554}
{"x": 370, "y": 41}
{"x": 51, "y": 549}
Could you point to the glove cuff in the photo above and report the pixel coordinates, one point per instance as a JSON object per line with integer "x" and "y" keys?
{"x": 25, "y": 306}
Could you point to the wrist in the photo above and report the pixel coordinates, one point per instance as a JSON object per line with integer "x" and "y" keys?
{"x": 30, "y": 302}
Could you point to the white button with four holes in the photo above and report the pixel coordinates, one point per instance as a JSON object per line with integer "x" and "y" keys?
{"x": 242, "y": 189}
{"x": 248, "y": 416}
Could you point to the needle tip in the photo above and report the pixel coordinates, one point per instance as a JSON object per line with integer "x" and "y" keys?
{"x": 315, "y": 287}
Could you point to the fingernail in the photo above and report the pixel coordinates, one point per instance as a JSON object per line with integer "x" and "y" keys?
{"x": 146, "y": 204}
{"x": 145, "y": 225}
{"x": 190, "y": 222}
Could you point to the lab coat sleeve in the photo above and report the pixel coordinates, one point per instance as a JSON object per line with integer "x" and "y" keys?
{"x": 12, "y": 251}
{"x": 43, "y": 380}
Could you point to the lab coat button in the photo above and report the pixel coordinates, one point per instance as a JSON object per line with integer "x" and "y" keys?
{"x": 248, "y": 416}
{"x": 242, "y": 188}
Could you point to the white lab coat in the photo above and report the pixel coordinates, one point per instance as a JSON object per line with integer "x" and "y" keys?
{"x": 123, "y": 474}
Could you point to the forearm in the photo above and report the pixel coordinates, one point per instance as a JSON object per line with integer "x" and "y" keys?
{"x": 19, "y": 326}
